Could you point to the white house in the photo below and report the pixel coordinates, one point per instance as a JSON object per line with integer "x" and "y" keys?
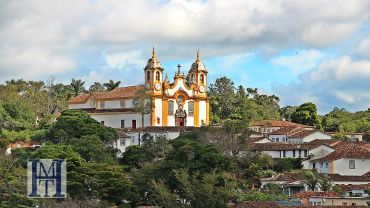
{"x": 349, "y": 159}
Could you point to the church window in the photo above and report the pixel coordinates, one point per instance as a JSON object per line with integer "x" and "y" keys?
{"x": 158, "y": 120}
{"x": 202, "y": 78}
{"x": 157, "y": 76}
{"x": 148, "y": 76}
{"x": 193, "y": 79}
{"x": 191, "y": 108}
{"x": 170, "y": 107}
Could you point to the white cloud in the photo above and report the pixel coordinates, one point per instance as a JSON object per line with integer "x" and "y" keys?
{"x": 31, "y": 62}
{"x": 300, "y": 61}
{"x": 342, "y": 82}
{"x": 124, "y": 59}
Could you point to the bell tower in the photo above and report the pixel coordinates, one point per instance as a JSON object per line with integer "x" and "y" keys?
{"x": 198, "y": 75}
{"x": 153, "y": 73}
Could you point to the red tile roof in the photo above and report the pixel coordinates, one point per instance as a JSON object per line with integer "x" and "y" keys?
{"x": 310, "y": 194}
{"x": 337, "y": 177}
{"x": 351, "y": 187}
{"x": 256, "y": 204}
{"x": 276, "y": 123}
{"x": 301, "y": 134}
{"x": 350, "y": 151}
{"x": 118, "y": 93}
{"x": 287, "y": 177}
{"x": 275, "y": 146}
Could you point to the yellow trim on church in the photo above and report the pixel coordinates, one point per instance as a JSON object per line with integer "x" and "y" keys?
{"x": 164, "y": 112}
{"x": 207, "y": 111}
{"x": 196, "y": 113}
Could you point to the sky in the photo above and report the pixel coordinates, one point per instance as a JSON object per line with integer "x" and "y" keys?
{"x": 301, "y": 51}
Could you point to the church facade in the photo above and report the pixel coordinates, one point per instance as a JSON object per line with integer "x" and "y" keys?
{"x": 182, "y": 102}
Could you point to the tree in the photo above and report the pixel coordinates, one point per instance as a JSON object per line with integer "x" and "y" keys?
{"x": 306, "y": 114}
{"x": 96, "y": 87}
{"x": 92, "y": 149}
{"x": 13, "y": 180}
{"x": 287, "y": 112}
{"x": 311, "y": 179}
{"x": 142, "y": 103}
{"x": 222, "y": 96}
{"x": 111, "y": 85}
{"x": 77, "y": 123}
{"x": 325, "y": 183}
{"x": 77, "y": 86}
{"x": 207, "y": 190}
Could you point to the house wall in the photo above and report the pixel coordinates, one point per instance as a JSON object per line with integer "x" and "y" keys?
{"x": 80, "y": 105}
{"x": 114, "y": 120}
{"x": 316, "y": 135}
{"x": 280, "y": 138}
{"x": 341, "y": 167}
{"x": 133, "y": 139}
{"x": 113, "y": 104}
{"x": 320, "y": 151}
{"x": 348, "y": 201}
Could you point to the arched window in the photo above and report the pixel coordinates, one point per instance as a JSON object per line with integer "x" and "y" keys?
{"x": 193, "y": 79}
{"x": 157, "y": 76}
{"x": 202, "y": 78}
{"x": 191, "y": 108}
{"x": 170, "y": 107}
{"x": 148, "y": 76}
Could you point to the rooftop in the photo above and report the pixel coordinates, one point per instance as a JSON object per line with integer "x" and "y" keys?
{"x": 346, "y": 150}
{"x": 312, "y": 194}
{"x": 277, "y": 123}
{"x": 120, "y": 92}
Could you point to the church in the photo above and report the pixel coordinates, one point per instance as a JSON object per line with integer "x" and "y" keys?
{"x": 180, "y": 103}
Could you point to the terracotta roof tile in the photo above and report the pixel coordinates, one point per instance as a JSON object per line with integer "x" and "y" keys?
{"x": 350, "y": 150}
{"x": 285, "y": 130}
{"x": 309, "y": 194}
{"x": 256, "y": 204}
{"x": 337, "y": 177}
{"x": 120, "y": 92}
{"x": 287, "y": 177}
{"x": 351, "y": 187}
{"x": 276, "y": 123}
{"x": 302, "y": 133}
{"x": 271, "y": 146}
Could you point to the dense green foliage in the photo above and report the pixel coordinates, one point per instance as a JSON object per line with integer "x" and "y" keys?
{"x": 208, "y": 167}
{"x": 228, "y": 103}
{"x": 75, "y": 124}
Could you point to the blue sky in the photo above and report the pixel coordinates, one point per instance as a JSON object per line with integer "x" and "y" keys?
{"x": 302, "y": 51}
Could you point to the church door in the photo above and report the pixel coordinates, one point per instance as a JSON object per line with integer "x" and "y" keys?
{"x": 180, "y": 121}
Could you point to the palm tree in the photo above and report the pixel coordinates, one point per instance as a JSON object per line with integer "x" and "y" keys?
{"x": 142, "y": 103}
{"x": 96, "y": 87}
{"x": 77, "y": 86}
{"x": 111, "y": 85}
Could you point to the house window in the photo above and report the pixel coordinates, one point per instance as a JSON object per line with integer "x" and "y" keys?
{"x": 284, "y": 153}
{"x": 133, "y": 124}
{"x": 327, "y": 165}
{"x": 122, "y": 103}
{"x": 122, "y": 141}
{"x": 299, "y": 153}
{"x": 321, "y": 165}
{"x": 352, "y": 164}
{"x": 102, "y": 122}
{"x": 293, "y": 153}
{"x": 314, "y": 165}
{"x": 122, "y": 124}
{"x": 191, "y": 108}
{"x": 157, "y": 76}
{"x": 305, "y": 153}
{"x": 170, "y": 107}
{"x": 344, "y": 203}
{"x": 102, "y": 104}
